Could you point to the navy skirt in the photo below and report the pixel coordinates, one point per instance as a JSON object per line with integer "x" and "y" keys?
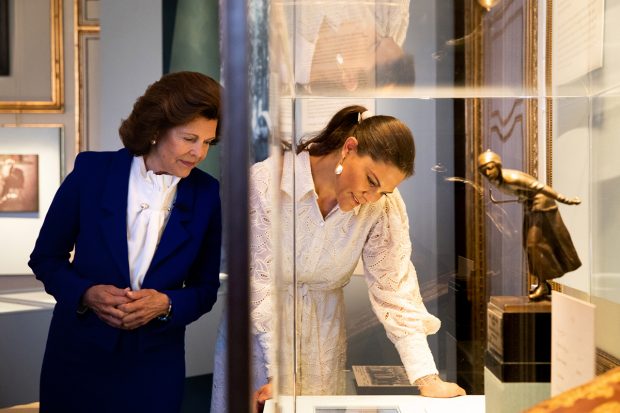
{"x": 79, "y": 377}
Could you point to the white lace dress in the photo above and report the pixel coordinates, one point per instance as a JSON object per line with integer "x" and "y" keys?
{"x": 322, "y": 254}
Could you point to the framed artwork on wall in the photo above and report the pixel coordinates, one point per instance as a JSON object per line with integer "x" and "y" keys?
{"x": 35, "y": 79}
{"x": 19, "y": 183}
{"x": 31, "y": 169}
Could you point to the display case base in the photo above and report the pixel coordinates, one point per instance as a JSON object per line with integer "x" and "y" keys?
{"x": 512, "y": 397}
{"x": 517, "y": 372}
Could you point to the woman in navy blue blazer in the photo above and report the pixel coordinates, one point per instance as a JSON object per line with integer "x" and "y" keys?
{"x": 144, "y": 225}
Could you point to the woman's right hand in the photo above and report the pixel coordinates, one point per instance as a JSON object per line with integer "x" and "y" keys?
{"x": 260, "y": 397}
{"x": 103, "y": 300}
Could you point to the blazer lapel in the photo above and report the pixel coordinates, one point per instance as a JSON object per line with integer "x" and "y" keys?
{"x": 176, "y": 233}
{"x": 114, "y": 211}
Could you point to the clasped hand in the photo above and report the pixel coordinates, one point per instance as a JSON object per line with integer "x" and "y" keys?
{"x": 124, "y": 308}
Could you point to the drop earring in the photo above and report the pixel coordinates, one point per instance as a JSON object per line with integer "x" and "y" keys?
{"x": 153, "y": 142}
{"x": 339, "y": 168}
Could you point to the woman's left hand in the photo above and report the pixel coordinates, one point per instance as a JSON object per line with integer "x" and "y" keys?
{"x": 434, "y": 386}
{"x": 145, "y": 306}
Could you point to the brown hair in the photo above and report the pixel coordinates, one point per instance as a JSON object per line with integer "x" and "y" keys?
{"x": 174, "y": 100}
{"x": 383, "y": 138}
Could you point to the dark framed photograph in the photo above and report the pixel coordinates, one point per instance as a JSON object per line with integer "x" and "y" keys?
{"x": 19, "y": 183}
{"x": 5, "y": 62}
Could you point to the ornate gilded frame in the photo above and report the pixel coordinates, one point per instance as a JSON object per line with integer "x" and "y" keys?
{"x": 476, "y": 126}
{"x": 549, "y": 85}
{"x": 56, "y": 102}
{"x": 86, "y": 30}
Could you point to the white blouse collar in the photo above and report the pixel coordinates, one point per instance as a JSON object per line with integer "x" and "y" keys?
{"x": 158, "y": 182}
{"x": 304, "y": 184}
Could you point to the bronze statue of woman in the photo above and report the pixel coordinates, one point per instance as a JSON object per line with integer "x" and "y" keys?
{"x": 550, "y": 250}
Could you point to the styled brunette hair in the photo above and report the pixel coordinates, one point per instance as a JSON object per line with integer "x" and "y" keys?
{"x": 174, "y": 100}
{"x": 383, "y": 138}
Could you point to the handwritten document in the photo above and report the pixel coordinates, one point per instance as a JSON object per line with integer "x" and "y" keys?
{"x": 573, "y": 351}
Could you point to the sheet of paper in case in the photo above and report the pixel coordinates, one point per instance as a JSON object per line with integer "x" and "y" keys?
{"x": 573, "y": 353}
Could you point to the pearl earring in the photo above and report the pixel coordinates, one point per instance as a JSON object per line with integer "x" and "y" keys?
{"x": 153, "y": 142}
{"x": 339, "y": 168}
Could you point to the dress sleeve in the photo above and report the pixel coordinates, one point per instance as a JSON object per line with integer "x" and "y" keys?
{"x": 394, "y": 290}
{"x": 261, "y": 262}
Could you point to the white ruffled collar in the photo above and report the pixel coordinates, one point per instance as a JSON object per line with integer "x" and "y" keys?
{"x": 158, "y": 182}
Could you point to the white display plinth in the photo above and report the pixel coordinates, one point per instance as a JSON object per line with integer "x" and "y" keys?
{"x": 512, "y": 397}
{"x": 24, "y": 321}
{"x": 404, "y": 404}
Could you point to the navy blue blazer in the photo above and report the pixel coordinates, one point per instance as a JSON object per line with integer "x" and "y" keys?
{"x": 88, "y": 215}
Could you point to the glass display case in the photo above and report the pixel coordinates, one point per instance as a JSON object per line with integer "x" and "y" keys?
{"x": 465, "y": 77}
{"x": 583, "y": 150}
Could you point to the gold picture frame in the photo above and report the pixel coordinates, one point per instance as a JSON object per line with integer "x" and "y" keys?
{"x": 86, "y": 35}
{"x": 87, "y": 13}
{"x": 508, "y": 118}
{"x": 55, "y": 104}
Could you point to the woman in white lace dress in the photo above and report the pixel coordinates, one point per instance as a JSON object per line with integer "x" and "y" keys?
{"x": 338, "y": 202}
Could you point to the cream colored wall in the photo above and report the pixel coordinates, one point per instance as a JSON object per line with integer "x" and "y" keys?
{"x": 131, "y": 59}
{"x": 16, "y": 247}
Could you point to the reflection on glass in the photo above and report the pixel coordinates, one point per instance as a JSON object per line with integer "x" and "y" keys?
{"x": 488, "y": 4}
{"x": 350, "y": 46}
{"x": 467, "y": 182}
{"x": 606, "y": 196}
{"x": 497, "y": 215}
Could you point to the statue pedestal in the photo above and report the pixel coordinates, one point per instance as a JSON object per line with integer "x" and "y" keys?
{"x": 519, "y": 339}
{"x": 518, "y": 354}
